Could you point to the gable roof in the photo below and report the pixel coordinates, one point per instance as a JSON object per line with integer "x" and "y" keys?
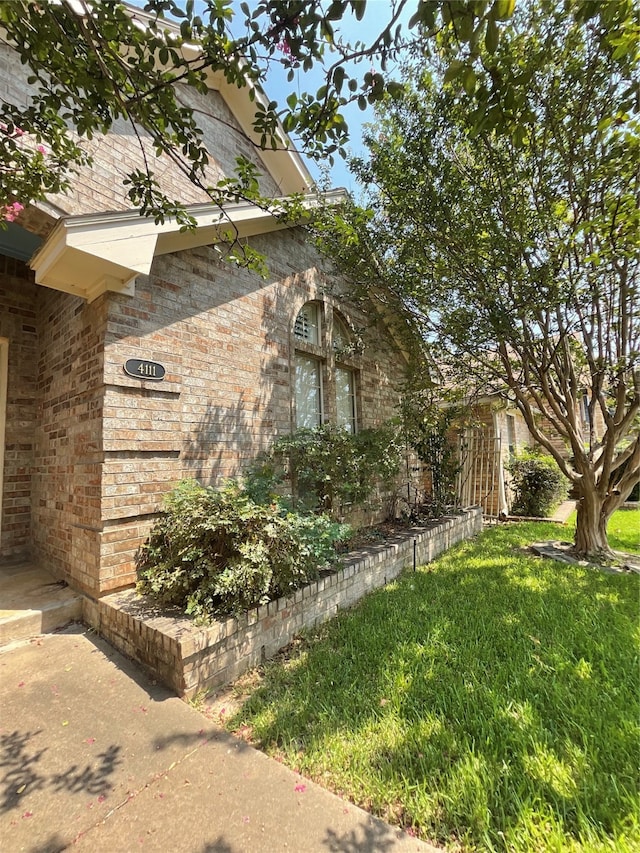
{"x": 285, "y": 164}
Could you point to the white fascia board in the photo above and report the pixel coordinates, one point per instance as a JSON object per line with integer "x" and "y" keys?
{"x": 89, "y": 254}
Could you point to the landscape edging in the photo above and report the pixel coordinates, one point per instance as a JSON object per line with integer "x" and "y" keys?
{"x": 191, "y": 659}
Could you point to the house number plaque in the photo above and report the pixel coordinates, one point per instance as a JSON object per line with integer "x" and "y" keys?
{"x": 140, "y": 368}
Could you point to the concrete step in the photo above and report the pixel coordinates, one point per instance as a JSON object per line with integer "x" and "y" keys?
{"x": 32, "y": 602}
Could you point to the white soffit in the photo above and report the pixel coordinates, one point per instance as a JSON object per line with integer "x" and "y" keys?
{"x": 90, "y": 254}
{"x": 285, "y": 165}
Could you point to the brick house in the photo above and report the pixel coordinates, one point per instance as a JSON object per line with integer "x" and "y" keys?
{"x": 131, "y": 356}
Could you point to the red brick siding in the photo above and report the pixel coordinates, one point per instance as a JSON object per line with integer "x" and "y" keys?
{"x": 67, "y": 465}
{"x": 225, "y": 338}
{"x": 99, "y": 186}
{"x": 18, "y": 324}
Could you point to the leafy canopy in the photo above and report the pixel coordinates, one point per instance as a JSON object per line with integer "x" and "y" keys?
{"x": 93, "y": 62}
{"x": 517, "y": 254}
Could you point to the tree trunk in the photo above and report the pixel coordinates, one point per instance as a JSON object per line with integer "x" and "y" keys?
{"x": 591, "y": 527}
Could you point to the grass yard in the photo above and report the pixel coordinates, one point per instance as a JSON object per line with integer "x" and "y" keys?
{"x": 490, "y": 701}
{"x": 624, "y": 531}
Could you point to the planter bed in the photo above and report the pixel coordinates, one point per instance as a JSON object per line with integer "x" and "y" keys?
{"x": 191, "y": 659}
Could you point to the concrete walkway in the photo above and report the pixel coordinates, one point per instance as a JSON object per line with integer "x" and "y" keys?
{"x": 96, "y": 758}
{"x": 562, "y": 512}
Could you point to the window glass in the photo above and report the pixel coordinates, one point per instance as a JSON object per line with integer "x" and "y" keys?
{"x": 307, "y": 325}
{"x": 308, "y": 392}
{"x": 341, "y": 336}
{"x": 346, "y": 399}
{"x": 511, "y": 434}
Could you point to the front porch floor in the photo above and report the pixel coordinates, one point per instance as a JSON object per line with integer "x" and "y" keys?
{"x": 32, "y": 602}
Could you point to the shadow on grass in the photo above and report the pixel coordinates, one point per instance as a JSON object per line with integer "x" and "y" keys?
{"x": 491, "y": 696}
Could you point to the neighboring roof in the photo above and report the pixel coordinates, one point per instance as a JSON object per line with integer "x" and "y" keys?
{"x": 89, "y": 254}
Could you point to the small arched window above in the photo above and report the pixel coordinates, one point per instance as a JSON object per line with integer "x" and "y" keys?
{"x": 341, "y": 335}
{"x": 307, "y": 325}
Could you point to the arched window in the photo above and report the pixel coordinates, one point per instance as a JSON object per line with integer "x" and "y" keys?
{"x": 322, "y": 350}
{"x": 341, "y": 335}
{"x": 307, "y": 331}
{"x": 345, "y": 376}
{"x": 307, "y": 325}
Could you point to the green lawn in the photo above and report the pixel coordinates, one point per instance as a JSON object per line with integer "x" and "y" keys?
{"x": 489, "y": 701}
{"x": 623, "y": 532}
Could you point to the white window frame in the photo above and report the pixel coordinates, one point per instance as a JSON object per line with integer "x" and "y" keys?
{"x": 351, "y": 423}
{"x": 304, "y": 357}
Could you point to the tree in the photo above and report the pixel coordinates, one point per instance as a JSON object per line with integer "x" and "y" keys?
{"x": 517, "y": 255}
{"x": 93, "y": 62}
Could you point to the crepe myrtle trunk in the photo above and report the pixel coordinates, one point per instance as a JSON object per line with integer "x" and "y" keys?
{"x": 593, "y": 513}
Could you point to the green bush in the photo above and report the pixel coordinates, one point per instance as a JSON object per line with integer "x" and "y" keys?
{"x": 328, "y": 468}
{"x": 216, "y": 551}
{"x": 428, "y": 425}
{"x": 538, "y": 483}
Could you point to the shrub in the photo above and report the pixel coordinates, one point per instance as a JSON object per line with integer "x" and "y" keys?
{"x": 428, "y": 425}
{"x": 329, "y": 468}
{"x": 217, "y": 551}
{"x": 538, "y": 483}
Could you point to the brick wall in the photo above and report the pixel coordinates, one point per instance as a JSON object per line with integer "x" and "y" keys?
{"x": 94, "y": 451}
{"x": 18, "y": 326}
{"x": 101, "y": 448}
{"x": 99, "y": 187}
{"x": 190, "y": 659}
{"x": 225, "y": 339}
{"x": 66, "y": 472}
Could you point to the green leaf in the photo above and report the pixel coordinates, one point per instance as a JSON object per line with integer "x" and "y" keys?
{"x": 454, "y": 69}
{"x": 339, "y": 75}
{"x": 395, "y": 89}
{"x": 491, "y": 36}
{"x": 359, "y": 7}
{"x": 502, "y": 10}
{"x": 336, "y": 10}
{"x": 469, "y": 80}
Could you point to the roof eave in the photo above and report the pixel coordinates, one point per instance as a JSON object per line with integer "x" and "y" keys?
{"x": 89, "y": 254}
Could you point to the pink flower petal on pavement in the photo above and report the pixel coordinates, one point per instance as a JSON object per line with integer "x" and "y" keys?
{"x": 90, "y": 740}
{"x": 102, "y": 798}
{"x": 27, "y": 814}
{"x": 21, "y": 684}
{"x": 300, "y": 788}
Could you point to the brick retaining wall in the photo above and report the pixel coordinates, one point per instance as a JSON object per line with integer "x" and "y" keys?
{"x": 190, "y": 659}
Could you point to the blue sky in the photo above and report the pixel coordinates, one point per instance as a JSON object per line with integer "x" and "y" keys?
{"x": 277, "y": 88}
